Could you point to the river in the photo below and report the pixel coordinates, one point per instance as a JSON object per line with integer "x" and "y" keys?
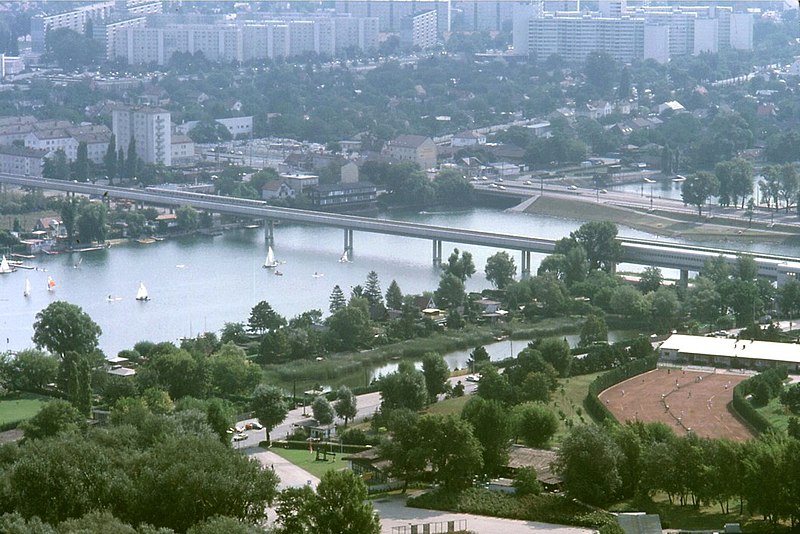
{"x": 197, "y": 284}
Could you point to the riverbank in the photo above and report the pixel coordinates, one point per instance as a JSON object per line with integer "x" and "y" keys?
{"x": 353, "y": 368}
{"x": 662, "y": 224}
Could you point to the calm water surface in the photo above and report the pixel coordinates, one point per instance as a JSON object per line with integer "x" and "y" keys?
{"x": 198, "y": 284}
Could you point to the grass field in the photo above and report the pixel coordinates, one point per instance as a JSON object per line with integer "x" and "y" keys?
{"x": 777, "y": 414}
{"x": 19, "y": 407}
{"x": 449, "y": 406}
{"x": 307, "y": 460}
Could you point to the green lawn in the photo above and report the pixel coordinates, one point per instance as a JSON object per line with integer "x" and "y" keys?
{"x": 307, "y": 460}
{"x": 448, "y": 406}
{"x": 567, "y": 402}
{"x": 20, "y": 407}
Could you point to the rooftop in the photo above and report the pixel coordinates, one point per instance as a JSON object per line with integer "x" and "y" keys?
{"x": 733, "y": 348}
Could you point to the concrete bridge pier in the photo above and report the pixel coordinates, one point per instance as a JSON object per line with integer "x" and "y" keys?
{"x": 684, "y": 280}
{"x": 269, "y": 232}
{"x": 348, "y": 243}
{"x": 437, "y": 253}
{"x": 526, "y": 263}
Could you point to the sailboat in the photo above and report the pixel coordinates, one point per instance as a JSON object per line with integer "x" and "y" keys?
{"x": 27, "y": 291}
{"x": 270, "y": 262}
{"x": 51, "y": 284}
{"x": 141, "y": 294}
{"x": 344, "y": 258}
{"x": 5, "y": 267}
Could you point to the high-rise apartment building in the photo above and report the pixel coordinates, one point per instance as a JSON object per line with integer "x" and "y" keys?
{"x": 390, "y": 13}
{"x": 419, "y": 30}
{"x": 74, "y": 19}
{"x": 150, "y": 127}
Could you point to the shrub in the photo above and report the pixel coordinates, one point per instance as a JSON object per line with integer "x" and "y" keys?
{"x": 354, "y": 436}
{"x": 526, "y": 482}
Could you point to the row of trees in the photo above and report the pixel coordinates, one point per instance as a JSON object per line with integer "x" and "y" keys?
{"x": 600, "y": 465}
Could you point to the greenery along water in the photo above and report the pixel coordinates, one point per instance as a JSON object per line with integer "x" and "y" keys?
{"x": 197, "y": 284}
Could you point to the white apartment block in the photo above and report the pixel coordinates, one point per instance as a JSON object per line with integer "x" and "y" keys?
{"x": 482, "y": 15}
{"x": 419, "y": 30}
{"x": 390, "y": 13}
{"x": 627, "y": 34}
{"x": 106, "y": 33}
{"x": 149, "y": 127}
{"x": 74, "y": 20}
{"x": 239, "y": 127}
{"x": 246, "y": 40}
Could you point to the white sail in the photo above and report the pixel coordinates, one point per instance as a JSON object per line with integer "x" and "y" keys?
{"x": 344, "y": 258}
{"x": 27, "y": 291}
{"x": 141, "y": 294}
{"x": 270, "y": 262}
{"x": 5, "y": 267}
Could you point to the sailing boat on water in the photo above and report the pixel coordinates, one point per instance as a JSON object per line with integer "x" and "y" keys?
{"x": 5, "y": 267}
{"x": 141, "y": 294}
{"x": 344, "y": 258}
{"x": 270, "y": 262}
{"x": 51, "y": 284}
{"x": 27, "y": 291}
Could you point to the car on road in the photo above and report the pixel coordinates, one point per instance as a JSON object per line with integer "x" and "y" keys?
{"x": 254, "y": 426}
{"x": 528, "y": 182}
{"x": 240, "y": 437}
{"x": 573, "y": 187}
{"x": 501, "y": 187}
{"x": 472, "y": 378}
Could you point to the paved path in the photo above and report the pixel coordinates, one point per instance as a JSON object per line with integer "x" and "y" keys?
{"x": 394, "y": 513}
{"x": 290, "y": 474}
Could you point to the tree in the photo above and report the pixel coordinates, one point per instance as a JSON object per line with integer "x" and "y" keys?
{"x": 231, "y": 373}
{"x": 132, "y": 160}
{"x": 534, "y": 423}
{"x": 81, "y": 165}
{"x": 372, "y": 289}
{"x": 403, "y": 389}
{"x": 599, "y": 240}
{"x": 500, "y": 269}
{"x": 56, "y": 416}
{"x": 263, "y": 318}
{"x": 70, "y": 49}
{"x": 394, "y": 297}
{"x": 346, "y": 404}
{"x": 75, "y": 379}
{"x": 92, "y": 222}
{"x": 343, "y": 505}
{"x": 269, "y": 407}
{"x": 29, "y": 370}
{"x": 588, "y": 463}
{"x": 601, "y": 72}
{"x": 526, "y": 482}
{"x": 122, "y": 169}
{"x": 477, "y": 358}
{"x": 453, "y": 452}
{"x": 322, "y": 410}
{"x": 453, "y": 188}
{"x": 629, "y": 302}
{"x": 650, "y": 279}
{"x": 110, "y": 159}
{"x": 436, "y": 372}
{"x": 350, "y": 327}
{"x": 69, "y": 215}
{"x": 187, "y": 218}
{"x": 337, "y": 300}
{"x": 339, "y": 506}
{"x": 698, "y": 188}
{"x": 450, "y": 293}
{"x": 593, "y": 329}
{"x": 556, "y": 352}
{"x": 492, "y": 427}
{"x": 460, "y": 265}
{"x": 63, "y": 327}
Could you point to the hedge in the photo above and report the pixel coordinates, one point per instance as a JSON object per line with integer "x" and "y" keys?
{"x": 746, "y": 411}
{"x": 597, "y": 409}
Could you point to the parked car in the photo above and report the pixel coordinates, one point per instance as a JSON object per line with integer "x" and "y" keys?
{"x": 239, "y": 437}
{"x": 573, "y": 188}
{"x": 255, "y": 425}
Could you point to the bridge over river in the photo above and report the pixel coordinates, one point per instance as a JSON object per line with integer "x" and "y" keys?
{"x": 685, "y": 258}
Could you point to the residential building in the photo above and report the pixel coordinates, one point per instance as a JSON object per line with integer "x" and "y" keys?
{"x": 468, "y": 138}
{"x": 419, "y": 30}
{"x": 74, "y": 20}
{"x": 150, "y": 128}
{"x": 344, "y": 196}
{"x": 300, "y": 182}
{"x": 10, "y": 65}
{"x": 182, "y": 148}
{"x": 96, "y": 136}
{"x": 348, "y": 173}
{"x": 414, "y": 148}
{"x": 276, "y": 189}
{"x": 239, "y": 127}
{"x": 483, "y": 15}
{"x": 390, "y": 13}
{"x": 106, "y": 33}
{"x": 51, "y": 140}
{"x": 21, "y": 160}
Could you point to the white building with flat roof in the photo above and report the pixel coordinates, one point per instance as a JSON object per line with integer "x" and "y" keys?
{"x": 735, "y": 353}
{"x": 151, "y": 129}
